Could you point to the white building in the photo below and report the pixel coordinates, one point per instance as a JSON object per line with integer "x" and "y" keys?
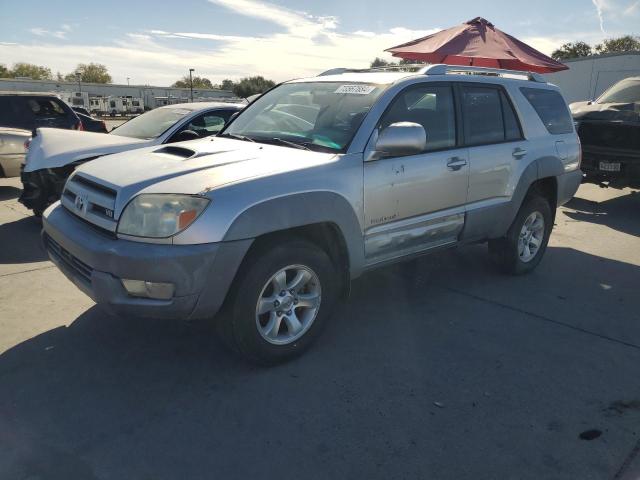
{"x": 588, "y": 77}
{"x": 147, "y": 93}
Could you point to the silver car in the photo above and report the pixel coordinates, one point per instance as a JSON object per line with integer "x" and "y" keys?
{"x": 13, "y": 147}
{"x": 315, "y": 183}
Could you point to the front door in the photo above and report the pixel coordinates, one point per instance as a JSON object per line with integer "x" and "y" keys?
{"x": 415, "y": 203}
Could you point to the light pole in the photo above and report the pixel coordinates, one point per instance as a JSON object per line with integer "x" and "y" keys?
{"x": 191, "y": 70}
{"x": 127, "y": 81}
{"x": 79, "y": 77}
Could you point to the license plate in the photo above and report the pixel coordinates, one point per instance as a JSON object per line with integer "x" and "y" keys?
{"x": 610, "y": 166}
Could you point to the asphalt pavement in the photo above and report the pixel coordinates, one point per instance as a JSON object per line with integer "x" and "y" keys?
{"x": 440, "y": 368}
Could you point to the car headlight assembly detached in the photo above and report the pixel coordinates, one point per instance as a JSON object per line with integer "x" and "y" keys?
{"x": 160, "y": 215}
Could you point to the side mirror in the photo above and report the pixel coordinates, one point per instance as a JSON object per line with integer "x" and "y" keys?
{"x": 185, "y": 136}
{"x": 401, "y": 139}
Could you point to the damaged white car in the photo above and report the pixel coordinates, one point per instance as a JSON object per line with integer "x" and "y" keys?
{"x": 54, "y": 154}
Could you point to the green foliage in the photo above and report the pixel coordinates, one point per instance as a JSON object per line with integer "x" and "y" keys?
{"x": 626, "y": 43}
{"x": 572, "y": 50}
{"x": 29, "y": 70}
{"x": 227, "y": 85}
{"x": 381, "y": 62}
{"x": 198, "y": 82}
{"x": 251, "y": 85}
{"x": 89, "y": 73}
{"x": 4, "y": 71}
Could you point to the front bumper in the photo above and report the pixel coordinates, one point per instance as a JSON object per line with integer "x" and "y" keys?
{"x": 629, "y": 164}
{"x": 96, "y": 263}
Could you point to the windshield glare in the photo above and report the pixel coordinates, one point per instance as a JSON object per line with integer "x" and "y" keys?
{"x": 626, "y": 91}
{"x": 151, "y": 124}
{"x": 320, "y": 115}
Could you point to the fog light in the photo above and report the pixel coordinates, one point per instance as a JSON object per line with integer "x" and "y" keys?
{"x": 142, "y": 288}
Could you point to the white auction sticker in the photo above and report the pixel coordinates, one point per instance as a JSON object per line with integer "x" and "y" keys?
{"x": 356, "y": 89}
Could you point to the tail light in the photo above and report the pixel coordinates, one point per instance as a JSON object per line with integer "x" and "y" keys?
{"x": 80, "y": 126}
{"x": 26, "y": 144}
{"x": 104, "y": 126}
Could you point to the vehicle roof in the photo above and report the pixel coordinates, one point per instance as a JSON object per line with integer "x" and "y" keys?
{"x": 30, "y": 94}
{"x": 205, "y": 105}
{"x": 386, "y": 77}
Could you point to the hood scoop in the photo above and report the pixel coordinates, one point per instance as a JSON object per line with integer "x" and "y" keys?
{"x": 176, "y": 151}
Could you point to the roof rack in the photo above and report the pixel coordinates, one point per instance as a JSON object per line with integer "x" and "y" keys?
{"x": 409, "y": 67}
{"x": 441, "y": 69}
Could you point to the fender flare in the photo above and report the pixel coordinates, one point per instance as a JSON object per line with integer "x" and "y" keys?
{"x": 299, "y": 210}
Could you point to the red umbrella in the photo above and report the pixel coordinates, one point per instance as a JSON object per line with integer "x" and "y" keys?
{"x": 477, "y": 42}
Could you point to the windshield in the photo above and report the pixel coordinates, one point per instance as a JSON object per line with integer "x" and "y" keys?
{"x": 151, "y": 124}
{"x": 626, "y": 91}
{"x": 321, "y": 116}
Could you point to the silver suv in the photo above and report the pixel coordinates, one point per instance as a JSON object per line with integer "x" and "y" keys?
{"x": 316, "y": 182}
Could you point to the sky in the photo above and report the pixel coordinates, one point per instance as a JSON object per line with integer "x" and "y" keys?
{"x": 155, "y": 43}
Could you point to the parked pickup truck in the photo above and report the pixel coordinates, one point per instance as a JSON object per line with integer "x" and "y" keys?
{"x": 316, "y": 182}
{"x": 609, "y": 130}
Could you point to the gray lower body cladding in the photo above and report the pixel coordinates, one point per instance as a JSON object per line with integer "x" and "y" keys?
{"x": 95, "y": 263}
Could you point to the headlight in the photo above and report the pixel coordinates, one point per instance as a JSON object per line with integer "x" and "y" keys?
{"x": 160, "y": 215}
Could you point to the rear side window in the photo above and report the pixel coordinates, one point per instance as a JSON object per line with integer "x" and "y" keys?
{"x": 488, "y": 116}
{"x": 45, "y": 107}
{"x": 551, "y": 108}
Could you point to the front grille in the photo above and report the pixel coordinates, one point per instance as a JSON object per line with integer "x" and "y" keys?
{"x": 91, "y": 202}
{"x": 610, "y": 134}
{"x": 72, "y": 262}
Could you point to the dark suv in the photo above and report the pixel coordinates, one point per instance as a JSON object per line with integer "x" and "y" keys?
{"x": 29, "y": 111}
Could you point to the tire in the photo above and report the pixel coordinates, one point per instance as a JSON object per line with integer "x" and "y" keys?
{"x": 507, "y": 253}
{"x": 275, "y": 336}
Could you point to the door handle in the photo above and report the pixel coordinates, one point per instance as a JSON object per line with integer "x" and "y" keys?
{"x": 456, "y": 163}
{"x": 519, "y": 153}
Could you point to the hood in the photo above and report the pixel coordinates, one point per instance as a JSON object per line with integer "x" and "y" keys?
{"x": 54, "y": 147}
{"x": 612, "y": 112}
{"x": 197, "y": 166}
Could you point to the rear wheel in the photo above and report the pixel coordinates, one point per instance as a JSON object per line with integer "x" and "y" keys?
{"x": 522, "y": 248}
{"x": 283, "y": 297}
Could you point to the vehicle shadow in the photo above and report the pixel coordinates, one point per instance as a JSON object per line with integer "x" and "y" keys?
{"x": 8, "y": 192}
{"x": 619, "y": 213}
{"x": 115, "y": 397}
{"x": 20, "y": 241}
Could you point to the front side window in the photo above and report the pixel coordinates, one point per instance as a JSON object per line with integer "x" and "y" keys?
{"x": 320, "y": 116}
{"x": 430, "y": 106}
{"x": 151, "y": 124}
{"x": 209, "y": 123}
{"x": 551, "y": 108}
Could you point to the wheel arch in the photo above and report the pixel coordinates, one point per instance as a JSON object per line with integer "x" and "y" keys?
{"x": 324, "y": 218}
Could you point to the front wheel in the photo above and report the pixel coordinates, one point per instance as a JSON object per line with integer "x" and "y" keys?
{"x": 522, "y": 248}
{"x": 283, "y": 297}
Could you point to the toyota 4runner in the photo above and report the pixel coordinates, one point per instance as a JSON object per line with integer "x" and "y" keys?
{"x": 316, "y": 182}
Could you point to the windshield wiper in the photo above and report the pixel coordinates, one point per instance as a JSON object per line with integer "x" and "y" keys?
{"x": 301, "y": 146}
{"x": 238, "y": 137}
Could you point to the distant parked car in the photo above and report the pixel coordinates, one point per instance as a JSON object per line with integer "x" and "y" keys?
{"x": 91, "y": 124}
{"x": 13, "y": 146}
{"x": 609, "y": 129}
{"x": 54, "y": 154}
{"x": 20, "y": 114}
{"x": 81, "y": 110}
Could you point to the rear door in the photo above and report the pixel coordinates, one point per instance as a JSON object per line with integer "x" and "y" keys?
{"x": 493, "y": 134}
{"x": 416, "y": 202}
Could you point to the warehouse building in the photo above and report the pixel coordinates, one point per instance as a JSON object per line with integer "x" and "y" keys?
{"x": 588, "y": 77}
{"x": 149, "y": 96}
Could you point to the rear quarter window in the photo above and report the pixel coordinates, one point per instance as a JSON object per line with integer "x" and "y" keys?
{"x": 551, "y": 108}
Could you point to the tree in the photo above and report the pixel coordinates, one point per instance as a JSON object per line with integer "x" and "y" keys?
{"x": 572, "y": 50}
{"x": 35, "y": 72}
{"x": 89, "y": 73}
{"x": 4, "y": 71}
{"x": 627, "y": 43}
{"x": 227, "y": 85}
{"x": 379, "y": 62}
{"x": 198, "y": 82}
{"x": 251, "y": 85}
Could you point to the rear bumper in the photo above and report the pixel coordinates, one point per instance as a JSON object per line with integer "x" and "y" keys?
{"x": 95, "y": 263}
{"x": 568, "y": 184}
